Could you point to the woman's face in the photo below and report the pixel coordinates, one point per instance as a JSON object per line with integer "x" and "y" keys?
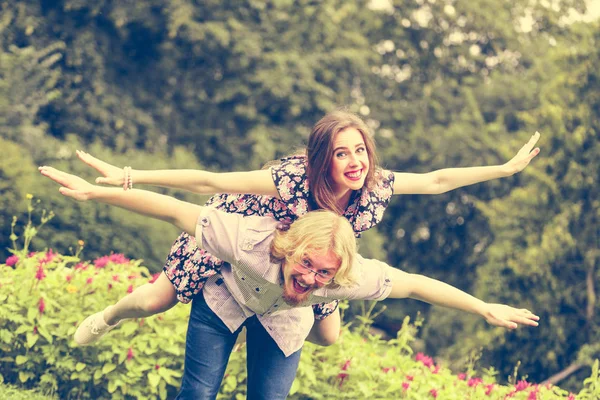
{"x": 350, "y": 163}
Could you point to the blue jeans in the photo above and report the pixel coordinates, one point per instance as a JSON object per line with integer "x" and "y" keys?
{"x": 208, "y": 346}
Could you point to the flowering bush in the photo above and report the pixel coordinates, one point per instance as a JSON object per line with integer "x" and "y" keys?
{"x": 45, "y": 295}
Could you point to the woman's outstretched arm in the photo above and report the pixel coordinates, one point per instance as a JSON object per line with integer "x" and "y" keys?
{"x": 447, "y": 179}
{"x": 179, "y": 213}
{"x": 257, "y": 182}
{"x": 432, "y": 291}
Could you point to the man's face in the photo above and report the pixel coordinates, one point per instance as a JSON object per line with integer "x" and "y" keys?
{"x": 297, "y": 285}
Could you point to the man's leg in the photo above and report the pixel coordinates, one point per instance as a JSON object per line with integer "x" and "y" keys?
{"x": 270, "y": 372}
{"x": 207, "y": 348}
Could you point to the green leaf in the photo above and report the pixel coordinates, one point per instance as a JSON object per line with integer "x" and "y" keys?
{"x": 112, "y": 386}
{"x": 24, "y": 376}
{"x": 80, "y": 366}
{"x": 153, "y": 379}
{"x": 19, "y": 360}
{"x": 98, "y": 374}
{"x": 108, "y": 368}
{"x": 31, "y": 340}
{"x": 295, "y": 386}
{"x": 45, "y": 334}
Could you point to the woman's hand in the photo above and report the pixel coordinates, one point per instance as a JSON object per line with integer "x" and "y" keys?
{"x": 524, "y": 156}
{"x": 72, "y": 186}
{"x": 509, "y": 317}
{"x": 111, "y": 175}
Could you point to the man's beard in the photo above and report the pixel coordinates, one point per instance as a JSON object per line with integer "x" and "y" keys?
{"x": 294, "y": 299}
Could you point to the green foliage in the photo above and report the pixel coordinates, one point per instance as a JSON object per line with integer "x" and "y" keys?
{"x": 14, "y": 393}
{"x": 545, "y": 252}
{"x": 45, "y": 295}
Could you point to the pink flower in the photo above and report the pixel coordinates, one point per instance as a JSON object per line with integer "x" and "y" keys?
{"x": 532, "y": 395}
{"x": 405, "y": 385}
{"x": 426, "y": 360}
{"x": 342, "y": 376}
{"x": 35, "y": 330}
{"x": 522, "y": 385}
{"x": 571, "y": 396}
{"x": 101, "y": 262}
{"x": 433, "y": 393}
{"x": 12, "y": 260}
{"x": 109, "y": 286}
{"x": 31, "y": 254}
{"x": 436, "y": 369}
{"x": 80, "y": 266}
{"x": 409, "y": 378}
{"x": 89, "y": 281}
{"x": 462, "y": 376}
{"x": 130, "y": 289}
{"x": 129, "y": 354}
{"x": 473, "y": 382}
{"x": 40, "y": 274}
{"x": 489, "y": 388}
{"x": 49, "y": 256}
{"x": 118, "y": 258}
{"x": 41, "y": 305}
{"x": 157, "y": 366}
{"x": 115, "y": 278}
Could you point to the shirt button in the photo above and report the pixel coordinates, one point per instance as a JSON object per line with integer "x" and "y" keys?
{"x": 247, "y": 245}
{"x": 205, "y": 221}
{"x": 387, "y": 280}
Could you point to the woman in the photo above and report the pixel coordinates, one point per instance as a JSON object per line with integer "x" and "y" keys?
{"x": 338, "y": 173}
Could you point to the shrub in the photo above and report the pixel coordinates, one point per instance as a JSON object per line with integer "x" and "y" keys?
{"x": 45, "y": 296}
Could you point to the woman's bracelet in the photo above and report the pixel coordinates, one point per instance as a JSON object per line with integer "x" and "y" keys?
{"x": 127, "y": 181}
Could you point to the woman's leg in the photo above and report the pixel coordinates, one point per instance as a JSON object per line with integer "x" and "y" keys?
{"x": 208, "y": 346}
{"x": 270, "y": 372}
{"x": 148, "y": 299}
{"x": 326, "y": 331}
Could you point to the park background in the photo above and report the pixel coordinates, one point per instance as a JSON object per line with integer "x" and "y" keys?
{"x": 230, "y": 85}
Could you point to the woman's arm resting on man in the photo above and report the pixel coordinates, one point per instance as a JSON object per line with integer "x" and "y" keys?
{"x": 258, "y": 182}
{"x": 438, "y": 293}
{"x": 179, "y": 213}
{"x": 447, "y": 179}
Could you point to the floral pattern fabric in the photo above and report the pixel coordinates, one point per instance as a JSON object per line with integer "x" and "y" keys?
{"x": 188, "y": 267}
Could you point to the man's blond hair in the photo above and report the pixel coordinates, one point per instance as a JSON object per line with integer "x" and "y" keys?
{"x": 319, "y": 231}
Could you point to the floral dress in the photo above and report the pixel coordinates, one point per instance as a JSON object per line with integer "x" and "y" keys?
{"x": 188, "y": 267}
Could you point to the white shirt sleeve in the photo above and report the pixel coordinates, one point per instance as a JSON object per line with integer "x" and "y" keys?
{"x": 217, "y": 232}
{"x": 374, "y": 282}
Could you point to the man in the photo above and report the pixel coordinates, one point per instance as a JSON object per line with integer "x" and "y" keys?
{"x": 270, "y": 280}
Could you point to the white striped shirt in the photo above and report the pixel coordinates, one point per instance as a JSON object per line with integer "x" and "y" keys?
{"x": 251, "y": 284}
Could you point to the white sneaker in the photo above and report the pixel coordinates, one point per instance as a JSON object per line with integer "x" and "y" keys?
{"x": 92, "y": 329}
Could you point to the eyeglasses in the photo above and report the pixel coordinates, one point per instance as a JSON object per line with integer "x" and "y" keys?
{"x": 325, "y": 277}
